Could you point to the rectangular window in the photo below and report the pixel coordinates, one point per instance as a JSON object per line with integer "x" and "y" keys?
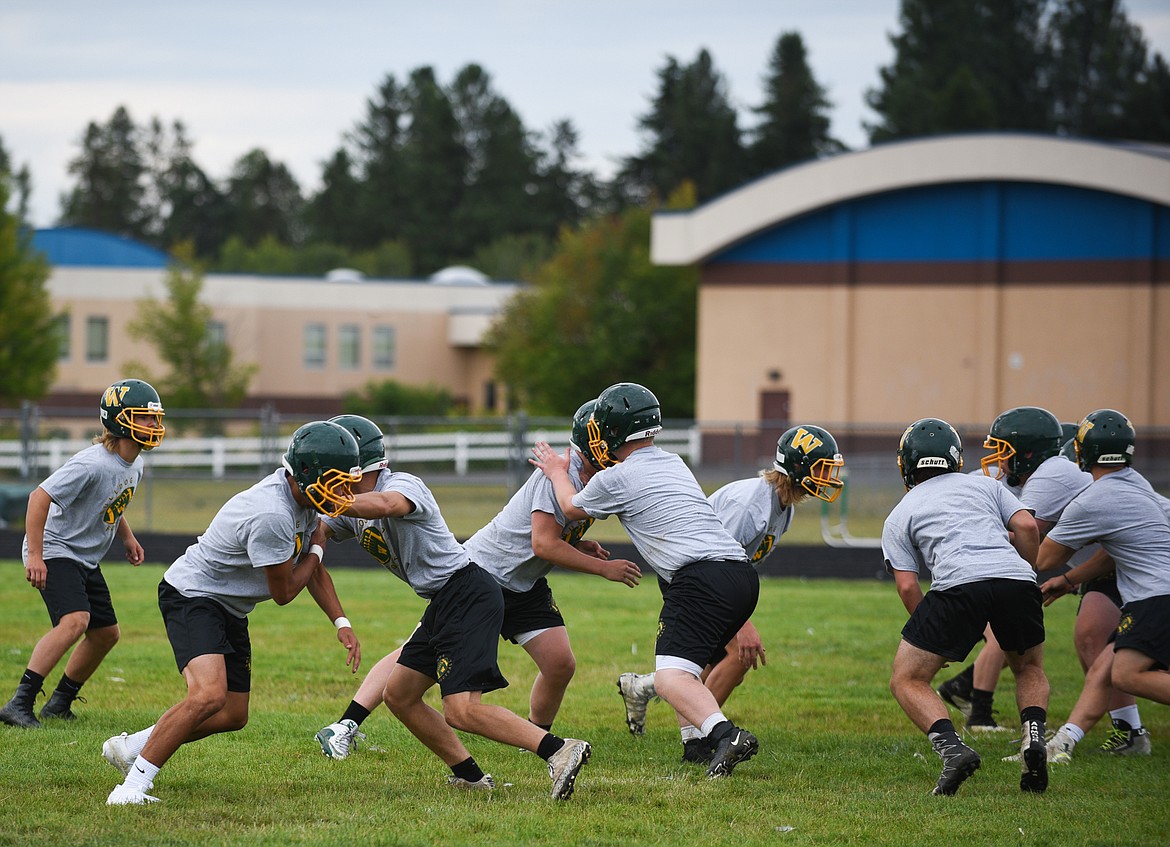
{"x": 97, "y": 339}
{"x": 349, "y": 347}
{"x": 216, "y": 334}
{"x": 314, "y": 345}
{"x": 62, "y": 326}
{"x": 385, "y": 340}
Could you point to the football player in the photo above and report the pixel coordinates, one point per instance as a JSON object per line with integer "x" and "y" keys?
{"x": 711, "y": 590}
{"x": 71, "y": 521}
{"x": 756, "y": 511}
{"x": 979, "y": 543}
{"x": 265, "y": 543}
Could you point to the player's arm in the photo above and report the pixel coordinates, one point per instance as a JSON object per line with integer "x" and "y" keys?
{"x": 134, "y": 552}
{"x": 36, "y": 515}
{"x": 1025, "y": 536}
{"x": 556, "y": 468}
{"x": 909, "y": 591}
{"x": 288, "y": 579}
{"x": 1099, "y": 564}
{"x": 325, "y": 594}
{"x": 379, "y": 504}
{"x": 548, "y": 544}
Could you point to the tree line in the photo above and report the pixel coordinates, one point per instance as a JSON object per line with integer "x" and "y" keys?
{"x": 436, "y": 174}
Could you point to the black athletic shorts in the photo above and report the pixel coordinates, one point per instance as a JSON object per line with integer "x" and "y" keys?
{"x": 199, "y": 626}
{"x": 72, "y": 587}
{"x": 1106, "y": 585}
{"x": 1145, "y": 626}
{"x": 950, "y": 622}
{"x": 457, "y": 641}
{"x": 704, "y": 607}
{"x": 528, "y": 611}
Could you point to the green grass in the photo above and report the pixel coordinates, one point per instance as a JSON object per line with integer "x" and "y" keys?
{"x": 839, "y": 762}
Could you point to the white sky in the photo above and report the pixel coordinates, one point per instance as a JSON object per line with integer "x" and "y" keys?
{"x": 292, "y": 77}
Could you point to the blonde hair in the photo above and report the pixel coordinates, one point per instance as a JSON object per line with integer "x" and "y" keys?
{"x": 108, "y": 440}
{"x": 788, "y": 493}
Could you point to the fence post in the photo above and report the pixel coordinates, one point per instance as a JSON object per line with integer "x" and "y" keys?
{"x": 28, "y": 439}
{"x": 461, "y": 453}
{"x": 218, "y": 457}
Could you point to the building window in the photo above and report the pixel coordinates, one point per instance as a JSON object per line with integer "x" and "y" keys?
{"x": 385, "y": 341}
{"x": 349, "y": 347}
{"x": 314, "y": 345}
{"x": 97, "y": 339}
{"x": 61, "y": 326}
{"x": 216, "y": 334}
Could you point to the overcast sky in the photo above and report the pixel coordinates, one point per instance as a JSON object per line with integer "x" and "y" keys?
{"x": 292, "y": 77}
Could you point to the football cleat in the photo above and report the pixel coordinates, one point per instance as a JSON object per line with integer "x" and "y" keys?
{"x": 1124, "y": 740}
{"x": 484, "y": 783}
{"x": 959, "y": 762}
{"x": 58, "y": 706}
{"x": 637, "y": 691}
{"x": 116, "y": 751}
{"x": 338, "y": 739}
{"x": 984, "y": 726}
{"x": 565, "y": 764}
{"x": 124, "y": 795}
{"x": 737, "y": 746}
{"x": 957, "y": 692}
{"x": 697, "y": 751}
{"x": 1034, "y": 753}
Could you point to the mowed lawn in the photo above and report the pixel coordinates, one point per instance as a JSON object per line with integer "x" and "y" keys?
{"x": 839, "y": 763}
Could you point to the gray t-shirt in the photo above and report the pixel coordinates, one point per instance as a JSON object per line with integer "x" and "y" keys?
{"x": 663, "y": 510}
{"x": 257, "y": 528}
{"x": 955, "y": 525}
{"x": 1126, "y": 516}
{"x": 418, "y": 548}
{"x": 90, "y": 492}
{"x": 504, "y": 547}
{"x": 1052, "y": 486}
{"x": 750, "y": 510}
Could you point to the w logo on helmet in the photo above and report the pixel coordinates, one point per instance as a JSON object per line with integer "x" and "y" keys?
{"x": 115, "y": 394}
{"x": 806, "y": 441}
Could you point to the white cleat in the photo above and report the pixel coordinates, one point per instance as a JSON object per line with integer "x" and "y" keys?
{"x": 339, "y": 738}
{"x": 124, "y": 795}
{"x": 116, "y": 751}
{"x": 565, "y": 764}
{"x": 637, "y": 690}
{"x": 484, "y": 783}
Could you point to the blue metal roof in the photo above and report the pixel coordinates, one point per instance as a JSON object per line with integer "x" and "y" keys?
{"x": 78, "y": 247}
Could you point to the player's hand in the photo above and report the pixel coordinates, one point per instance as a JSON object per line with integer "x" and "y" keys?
{"x": 751, "y": 649}
{"x": 135, "y": 555}
{"x": 36, "y": 572}
{"x": 592, "y": 548}
{"x": 622, "y": 570}
{"x": 548, "y": 459}
{"x": 353, "y": 647}
{"x": 1055, "y": 588}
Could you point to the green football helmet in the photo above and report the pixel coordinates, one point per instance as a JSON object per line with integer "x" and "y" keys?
{"x": 371, "y": 442}
{"x": 1069, "y": 450}
{"x": 929, "y": 443}
{"x": 131, "y": 408}
{"x": 1020, "y": 440}
{"x": 1068, "y": 431}
{"x": 579, "y": 439}
{"x": 808, "y": 456}
{"x": 323, "y": 460}
{"x": 624, "y": 412}
{"x": 1105, "y": 437}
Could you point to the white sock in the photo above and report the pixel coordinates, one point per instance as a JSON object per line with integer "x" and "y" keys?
{"x": 137, "y": 740}
{"x": 1074, "y": 732}
{"x": 1129, "y": 714}
{"x": 142, "y": 774}
{"x": 689, "y": 733}
{"x": 711, "y": 722}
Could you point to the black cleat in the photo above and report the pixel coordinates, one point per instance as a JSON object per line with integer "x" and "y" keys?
{"x": 737, "y": 746}
{"x": 697, "y": 751}
{"x": 1035, "y": 759}
{"x": 959, "y": 762}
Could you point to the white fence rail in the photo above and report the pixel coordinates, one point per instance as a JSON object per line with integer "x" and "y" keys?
{"x": 219, "y": 456}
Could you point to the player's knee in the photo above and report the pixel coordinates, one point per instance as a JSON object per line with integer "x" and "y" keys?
{"x": 104, "y": 638}
{"x": 73, "y": 625}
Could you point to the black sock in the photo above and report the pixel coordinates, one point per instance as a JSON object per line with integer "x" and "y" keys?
{"x": 68, "y": 687}
{"x": 356, "y": 712}
{"x": 547, "y": 727}
{"x": 468, "y": 770}
{"x": 981, "y": 703}
{"x": 720, "y": 731}
{"x": 1033, "y": 713}
{"x": 943, "y": 725}
{"x": 549, "y": 745}
{"x": 32, "y": 678}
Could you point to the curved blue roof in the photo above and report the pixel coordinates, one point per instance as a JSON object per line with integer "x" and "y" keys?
{"x": 79, "y": 247}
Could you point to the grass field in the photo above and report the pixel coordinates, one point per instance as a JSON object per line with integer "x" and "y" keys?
{"x": 839, "y": 762}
